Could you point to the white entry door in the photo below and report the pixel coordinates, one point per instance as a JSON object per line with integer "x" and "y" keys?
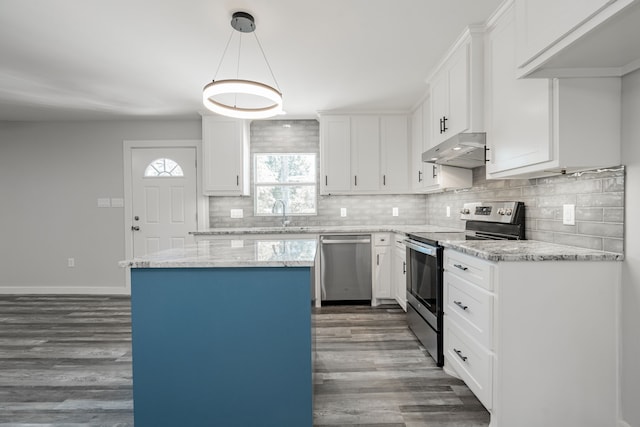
{"x": 163, "y": 198}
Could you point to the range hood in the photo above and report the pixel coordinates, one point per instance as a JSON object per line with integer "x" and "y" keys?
{"x": 464, "y": 150}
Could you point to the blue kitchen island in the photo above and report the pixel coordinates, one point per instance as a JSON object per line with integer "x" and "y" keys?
{"x": 221, "y": 334}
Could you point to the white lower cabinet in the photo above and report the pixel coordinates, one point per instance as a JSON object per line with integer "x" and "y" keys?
{"x": 536, "y": 341}
{"x": 399, "y": 271}
{"x": 381, "y": 264}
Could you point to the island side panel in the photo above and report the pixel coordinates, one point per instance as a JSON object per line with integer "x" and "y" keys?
{"x": 222, "y": 346}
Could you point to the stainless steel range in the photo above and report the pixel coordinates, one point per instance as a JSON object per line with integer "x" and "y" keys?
{"x": 484, "y": 221}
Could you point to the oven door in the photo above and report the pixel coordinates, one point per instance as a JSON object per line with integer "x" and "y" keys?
{"x": 424, "y": 281}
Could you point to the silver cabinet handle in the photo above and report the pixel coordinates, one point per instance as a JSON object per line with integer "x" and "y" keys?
{"x": 377, "y": 259}
{"x": 461, "y": 267}
{"x": 459, "y": 353}
{"x": 404, "y": 267}
{"x": 459, "y": 304}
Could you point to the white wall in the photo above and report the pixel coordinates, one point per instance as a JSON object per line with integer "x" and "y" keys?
{"x": 630, "y": 367}
{"x": 51, "y": 175}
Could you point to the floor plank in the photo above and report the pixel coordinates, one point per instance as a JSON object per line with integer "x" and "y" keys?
{"x": 65, "y": 361}
{"x": 370, "y": 370}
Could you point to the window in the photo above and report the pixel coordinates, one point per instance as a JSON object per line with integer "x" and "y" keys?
{"x": 163, "y": 168}
{"x": 288, "y": 179}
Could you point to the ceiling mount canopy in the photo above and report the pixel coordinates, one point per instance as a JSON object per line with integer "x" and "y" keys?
{"x": 242, "y": 98}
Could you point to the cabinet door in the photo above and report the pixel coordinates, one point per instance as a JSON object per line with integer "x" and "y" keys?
{"x": 459, "y": 78}
{"x": 518, "y": 118}
{"x": 225, "y": 155}
{"x": 400, "y": 276}
{"x": 382, "y": 272}
{"x": 439, "y": 106}
{"x": 417, "y": 171}
{"x": 335, "y": 136}
{"x": 365, "y": 153}
{"x": 395, "y": 151}
{"x": 541, "y": 23}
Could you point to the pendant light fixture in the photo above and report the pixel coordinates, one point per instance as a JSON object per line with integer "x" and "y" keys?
{"x": 243, "y": 99}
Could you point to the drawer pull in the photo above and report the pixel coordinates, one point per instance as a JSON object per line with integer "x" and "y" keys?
{"x": 459, "y": 353}
{"x": 459, "y": 304}
{"x": 461, "y": 267}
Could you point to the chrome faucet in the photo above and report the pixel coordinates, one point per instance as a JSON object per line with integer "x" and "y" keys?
{"x": 284, "y": 221}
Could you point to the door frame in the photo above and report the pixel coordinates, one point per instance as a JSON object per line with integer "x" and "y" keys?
{"x": 202, "y": 208}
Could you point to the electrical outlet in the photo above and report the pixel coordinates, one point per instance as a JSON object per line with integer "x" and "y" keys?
{"x": 448, "y": 211}
{"x": 71, "y": 262}
{"x": 394, "y": 211}
{"x": 343, "y": 212}
{"x": 104, "y": 202}
{"x": 237, "y": 213}
{"x": 569, "y": 214}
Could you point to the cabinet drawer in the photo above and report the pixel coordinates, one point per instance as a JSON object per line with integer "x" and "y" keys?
{"x": 472, "y": 362}
{"x": 471, "y": 307}
{"x": 398, "y": 241}
{"x": 382, "y": 239}
{"x": 475, "y": 270}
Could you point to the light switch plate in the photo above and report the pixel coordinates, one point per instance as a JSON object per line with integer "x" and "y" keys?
{"x": 448, "y": 211}
{"x": 237, "y": 213}
{"x": 117, "y": 202}
{"x": 343, "y": 212}
{"x": 394, "y": 211}
{"x": 569, "y": 214}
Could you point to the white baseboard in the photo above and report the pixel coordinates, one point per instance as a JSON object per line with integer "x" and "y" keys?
{"x": 60, "y": 290}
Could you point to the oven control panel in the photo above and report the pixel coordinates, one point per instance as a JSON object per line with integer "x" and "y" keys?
{"x": 490, "y": 211}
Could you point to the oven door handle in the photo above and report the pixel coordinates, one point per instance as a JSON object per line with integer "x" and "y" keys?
{"x": 427, "y": 250}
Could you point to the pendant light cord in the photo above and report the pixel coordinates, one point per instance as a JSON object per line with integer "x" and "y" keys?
{"x": 223, "y": 55}
{"x": 268, "y": 65}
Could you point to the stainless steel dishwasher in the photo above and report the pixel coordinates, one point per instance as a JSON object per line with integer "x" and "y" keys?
{"x": 345, "y": 267}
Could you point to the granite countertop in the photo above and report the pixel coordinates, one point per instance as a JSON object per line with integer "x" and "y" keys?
{"x": 326, "y": 229}
{"x": 528, "y": 250}
{"x": 233, "y": 252}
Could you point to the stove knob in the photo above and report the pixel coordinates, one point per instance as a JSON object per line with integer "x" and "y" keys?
{"x": 501, "y": 211}
{"x": 508, "y": 212}
{"x": 465, "y": 211}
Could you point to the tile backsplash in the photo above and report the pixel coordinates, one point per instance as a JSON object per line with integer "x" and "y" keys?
{"x": 598, "y": 198}
{"x": 303, "y": 136}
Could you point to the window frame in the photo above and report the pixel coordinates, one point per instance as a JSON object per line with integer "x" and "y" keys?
{"x": 257, "y": 184}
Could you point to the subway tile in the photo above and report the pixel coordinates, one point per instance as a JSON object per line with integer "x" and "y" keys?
{"x": 615, "y": 199}
{"x": 588, "y": 214}
{"x": 613, "y": 215}
{"x": 601, "y": 229}
{"x": 589, "y": 242}
{"x": 613, "y": 245}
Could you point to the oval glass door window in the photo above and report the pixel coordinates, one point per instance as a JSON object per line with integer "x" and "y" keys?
{"x": 163, "y": 168}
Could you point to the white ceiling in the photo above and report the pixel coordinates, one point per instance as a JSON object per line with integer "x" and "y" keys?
{"x": 92, "y": 59}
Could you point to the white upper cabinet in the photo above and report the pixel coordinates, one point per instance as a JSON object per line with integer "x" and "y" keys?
{"x": 577, "y": 38}
{"x": 429, "y": 177}
{"x": 225, "y": 152}
{"x": 456, "y": 89}
{"x": 364, "y": 154}
{"x": 541, "y": 127}
{"x": 335, "y": 154}
{"x": 394, "y": 147}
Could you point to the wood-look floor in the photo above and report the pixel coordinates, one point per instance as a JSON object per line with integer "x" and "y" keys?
{"x": 65, "y": 361}
{"x": 370, "y": 370}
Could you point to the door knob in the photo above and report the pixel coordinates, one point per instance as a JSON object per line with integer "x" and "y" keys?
{"x": 135, "y": 228}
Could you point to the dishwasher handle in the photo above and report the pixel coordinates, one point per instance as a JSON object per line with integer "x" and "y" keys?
{"x": 344, "y": 241}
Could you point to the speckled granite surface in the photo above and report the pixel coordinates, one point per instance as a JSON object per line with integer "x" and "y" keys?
{"x": 233, "y": 252}
{"x": 528, "y": 250}
{"x": 325, "y": 229}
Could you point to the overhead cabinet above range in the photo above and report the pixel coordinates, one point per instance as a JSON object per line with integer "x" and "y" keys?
{"x": 577, "y": 38}
{"x": 456, "y": 87}
{"x": 364, "y": 154}
{"x": 542, "y": 127}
